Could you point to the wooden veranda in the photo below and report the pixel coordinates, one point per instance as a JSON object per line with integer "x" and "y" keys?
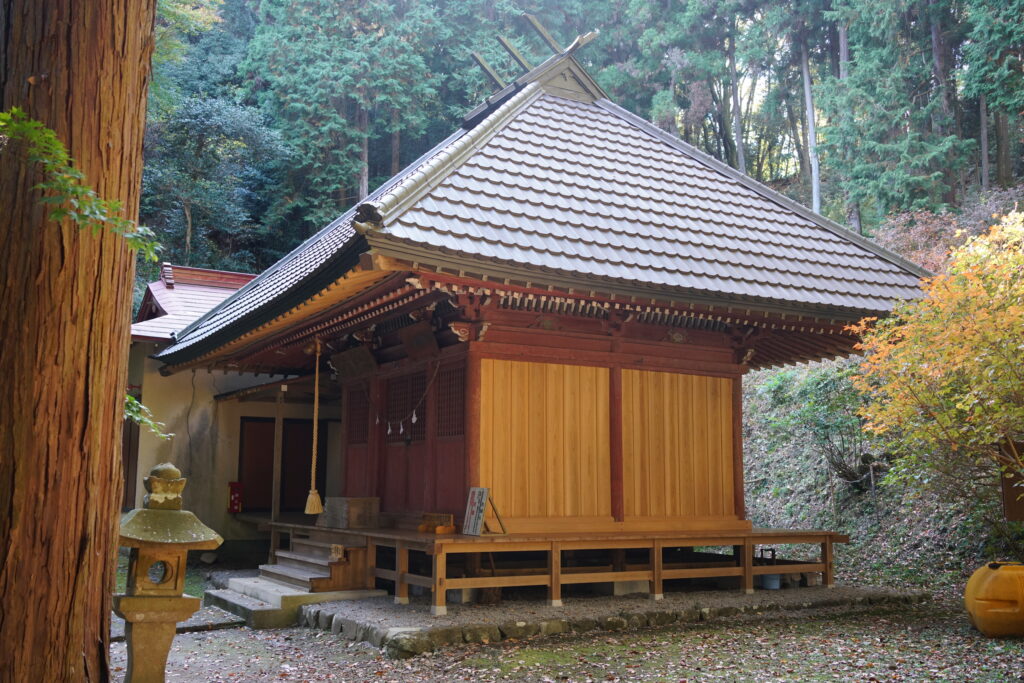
{"x": 554, "y": 560}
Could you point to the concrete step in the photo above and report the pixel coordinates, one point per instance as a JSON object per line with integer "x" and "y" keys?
{"x": 257, "y": 614}
{"x": 295, "y": 576}
{"x": 265, "y": 603}
{"x": 291, "y": 558}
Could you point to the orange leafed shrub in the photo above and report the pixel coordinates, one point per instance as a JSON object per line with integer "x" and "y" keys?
{"x": 945, "y": 373}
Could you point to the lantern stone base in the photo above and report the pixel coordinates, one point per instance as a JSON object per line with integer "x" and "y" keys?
{"x": 149, "y": 629}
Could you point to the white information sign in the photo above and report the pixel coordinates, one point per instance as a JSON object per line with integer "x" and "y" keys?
{"x": 476, "y": 505}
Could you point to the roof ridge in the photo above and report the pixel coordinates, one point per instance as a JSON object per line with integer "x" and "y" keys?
{"x": 429, "y": 175}
{"x": 763, "y": 189}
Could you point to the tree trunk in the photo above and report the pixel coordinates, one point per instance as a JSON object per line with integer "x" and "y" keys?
{"x": 82, "y": 69}
{"x": 940, "y": 73}
{"x": 797, "y": 135}
{"x": 1004, "y": 167}
{"x": 983, "y": 139}
{"x": 737, "y": 118}
{"x": 396, "y": 144}
{"x": 363, "y": 126}
{"x": 812, "y": 137}
{"x": 852, "y": 206}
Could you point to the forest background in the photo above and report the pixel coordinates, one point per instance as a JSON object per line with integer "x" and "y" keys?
{"x": 901, "y": 119}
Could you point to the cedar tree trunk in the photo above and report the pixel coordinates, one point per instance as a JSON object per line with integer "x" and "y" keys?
{"x": 812, "y": 136}
{"x": 734, "y": 88}
{"x": 82, "y": 69}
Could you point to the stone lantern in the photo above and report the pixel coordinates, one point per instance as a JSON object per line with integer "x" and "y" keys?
{"x": 160, "y": 536}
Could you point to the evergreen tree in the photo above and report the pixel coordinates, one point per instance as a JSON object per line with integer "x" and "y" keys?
{"x": 880, "y": 135}
{"x": 338, "y": 76}
{"x": 210, "y": 165}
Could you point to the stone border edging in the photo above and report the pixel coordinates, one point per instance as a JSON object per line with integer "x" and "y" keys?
{"x": 403, "y": 642}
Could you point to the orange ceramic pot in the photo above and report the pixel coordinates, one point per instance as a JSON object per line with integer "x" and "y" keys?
{"x": 994, "y": 599}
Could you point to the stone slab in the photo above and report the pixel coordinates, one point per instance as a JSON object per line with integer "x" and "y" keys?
{"x": 408, "y": 630}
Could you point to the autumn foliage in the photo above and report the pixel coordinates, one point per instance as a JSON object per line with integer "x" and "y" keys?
{"x": 945, "y": 373}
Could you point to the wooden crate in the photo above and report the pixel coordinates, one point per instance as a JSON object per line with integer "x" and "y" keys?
{"x": 350, "y": 513}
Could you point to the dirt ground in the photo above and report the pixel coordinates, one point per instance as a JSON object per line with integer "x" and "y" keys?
{"x": 932, "y": 641}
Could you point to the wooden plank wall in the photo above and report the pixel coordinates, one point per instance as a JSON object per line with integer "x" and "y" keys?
{"x": 677, "y": 445}
{"x": 544, "y": 440}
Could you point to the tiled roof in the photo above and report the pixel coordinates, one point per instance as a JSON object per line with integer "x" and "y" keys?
{"x": 587, "y": 190}
{"x": 552, "y": 184}
{"x": 180, "y": 297}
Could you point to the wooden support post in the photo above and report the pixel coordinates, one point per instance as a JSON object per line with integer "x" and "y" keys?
{"x": 275, "y": 494}
{"x": 401, "y": 569}
{"x": 472, "y": 426}
{"x": 828, "y": 577}
{"x": 275, "y": 541}
{"x": 437, "y": 607}
{"x": 555, "y": 573}
{"x": 738, "y": 492}
{"x": 618, "y": 559}
{"x": 371, "y": 564}
{"x": 615, "y": 443}
{"x": 657, "y": 590}
{"x": 748, "y": 566}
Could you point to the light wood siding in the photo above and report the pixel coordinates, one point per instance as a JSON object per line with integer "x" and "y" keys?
{"x": 677, "y": 445}
{"x": 544, "y": 439}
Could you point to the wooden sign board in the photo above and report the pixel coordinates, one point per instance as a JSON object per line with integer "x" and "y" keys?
{"x": 476, "y": 505}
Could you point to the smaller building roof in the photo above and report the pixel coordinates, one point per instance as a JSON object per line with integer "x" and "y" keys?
{"x": 181, "y": 296}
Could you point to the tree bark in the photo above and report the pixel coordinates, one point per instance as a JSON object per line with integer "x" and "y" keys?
{"x": 940, "y": 72}
{"x": 737, "y": 118}
{"x": 852, "y": 206}
{"x": 812, "y": 137}
{"x": 363, "y": 126}
{"x": 983, "y": 139}
{"x": 82, "y": 69}
{"x": 396, "y": 144}
{"x": 1004, "y": 167}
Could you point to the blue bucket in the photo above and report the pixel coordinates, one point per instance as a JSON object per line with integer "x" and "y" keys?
{"x": 771, "y": 582}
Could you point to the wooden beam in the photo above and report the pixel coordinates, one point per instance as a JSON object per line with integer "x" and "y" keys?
{"x": 615, "y": 443}
{"x": 275, "y": 493}
{"x": 472, "y": 407}
{"x": 437, "y": 605}
{"x": 555, "y": 570}
{"x": 738, "y": 490}
{"x": 543, "y": 33}
{"x": 401, "y": 569}
{"x": 656, "y": 588}
{"x": 488, "y": 70}
{"x": 514, "y": 53}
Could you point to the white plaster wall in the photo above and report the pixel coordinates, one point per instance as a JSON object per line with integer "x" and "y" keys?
{"x": 206, "y": 436}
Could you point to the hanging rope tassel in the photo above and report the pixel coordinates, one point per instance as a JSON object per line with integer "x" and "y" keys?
{"x": 313, "y": 504}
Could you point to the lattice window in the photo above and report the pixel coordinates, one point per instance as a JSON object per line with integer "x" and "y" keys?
{"x": 451, "y": 401}
{"x": 406, "y": 395}
{"x": 358, "y": 426}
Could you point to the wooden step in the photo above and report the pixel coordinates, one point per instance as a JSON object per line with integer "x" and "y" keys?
{"x": 312, "y": 548}
{"x": 293, "y": 575}
{"x": 291, "y": 558}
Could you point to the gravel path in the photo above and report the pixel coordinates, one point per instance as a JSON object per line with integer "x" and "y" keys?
{"x": 931, "y": 641}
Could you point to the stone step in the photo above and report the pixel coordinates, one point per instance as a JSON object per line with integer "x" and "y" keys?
{"x": 265, "y": 603}
{"x": 257, "y": 613}
{"x": 291, "y": 558}
{"x": 295, "y": 576}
